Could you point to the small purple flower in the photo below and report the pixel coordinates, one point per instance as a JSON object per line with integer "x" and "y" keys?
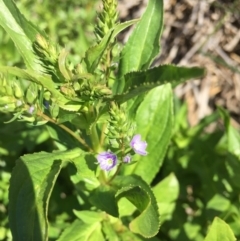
{"x": 138, "y": 146}
{"x": 107, "y": 160}
{"x": 31, "y": 109}
{"x": 127, "y": 159}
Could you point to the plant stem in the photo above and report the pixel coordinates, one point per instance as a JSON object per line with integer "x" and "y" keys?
{"x": 115, "y": 174}
{"x": 69, "y": 131}
{"x": 102, "y": 137}
{"x": 94, "y": 138}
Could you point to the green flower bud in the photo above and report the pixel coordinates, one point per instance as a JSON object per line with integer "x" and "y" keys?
{"x": 119, "y": 128}
{"x": 106, "y": 19}
{"x": 17, "y": 90}
{"x": 9, "y": 90}
{"x": 76, "y": 86}
{"x": 84, "y": 109}
{"x": 42, "y": 41}
{"x": 54, "y": 110}
{"x": 47, "y": 95}
{"x": 5, "y": 100}
{"x": 8, "y": 107}
{"x": 27, "y": 118}
{"x": 67, "y": 90}
{"x": 3, "y": 81}
{"x": 32, "y": 93}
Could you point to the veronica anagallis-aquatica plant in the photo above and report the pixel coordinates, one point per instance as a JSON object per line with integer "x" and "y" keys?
{"x": 111, "y": 117}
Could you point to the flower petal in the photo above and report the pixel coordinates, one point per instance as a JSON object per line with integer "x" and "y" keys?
{"x": 138, "y": 146}
{"x": 127, "y": 159}
{"x": 107, "y": 160}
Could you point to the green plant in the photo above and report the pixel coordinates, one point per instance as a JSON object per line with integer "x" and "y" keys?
{"x": 109, "y": 119}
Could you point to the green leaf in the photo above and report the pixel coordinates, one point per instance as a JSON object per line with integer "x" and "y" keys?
{"x": 103, "y": 197}
{"x": 129, "y": 236}
{"x": 109, "y": 231}
{"x": 89, "y": 216}
{"x": 141, "y": 196}
{"x": 219, "y": 203}
{"x": 233, "y": 136}
{"x": 166, "y": 193}
{"x": 142, "y": 81}
{"x": 85, "y": 172}
{"x": 143, "y": 44}
{"x": 79, "y": 230}
{"x": 154, "y": 120}
{"x": 21, "y": 31}
{"x": 95, "y": 53}
{"x": 220, "y": 231}
{"x": 121, "y": 26}
{"x": 61, "y": 138}
{"x": 31, "y": 185}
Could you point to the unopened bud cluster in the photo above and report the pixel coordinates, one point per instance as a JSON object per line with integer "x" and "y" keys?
{"x": 107, "y": 18}
{"x": 91, "y": 92}
{"x": 47, "y": 53}
{"x": 10, "y": 95}
{"x": 13, "y": 98}
{"x": 120, "y": 129}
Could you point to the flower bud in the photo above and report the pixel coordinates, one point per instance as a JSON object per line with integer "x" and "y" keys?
{"x": 54, "y": 110}
{"x": 42, "y": 41}
{"x": 17, "y": 91}
{"x": 32, "y": 93}
{"x": 9, "y": 90}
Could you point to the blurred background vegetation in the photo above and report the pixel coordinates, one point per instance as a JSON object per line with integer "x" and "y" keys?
{"x": 204, "y": 152}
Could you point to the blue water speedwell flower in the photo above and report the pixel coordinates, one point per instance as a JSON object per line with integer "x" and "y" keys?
{"x": 107, "y": 160}
{"x": 138, "y": 146}
{"x": 127, "y": 159}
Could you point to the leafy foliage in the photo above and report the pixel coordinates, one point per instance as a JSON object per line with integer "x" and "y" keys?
{"x": 65, "y": 108}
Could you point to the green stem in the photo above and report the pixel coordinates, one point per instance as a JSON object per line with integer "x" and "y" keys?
{"x": 69, "y": 131}
{"x": 103, "y": 135}
{"x": 115, "y": 174}
{"x": 102, "y": 177}
{"x": 94, "y": 138}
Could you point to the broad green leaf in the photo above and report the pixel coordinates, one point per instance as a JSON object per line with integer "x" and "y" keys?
{"x": 89, "y": 216}
{"x": 62, "y": 139}
{"x": 192, "y": 230}
{"x": 154, "y": 120}
{"x": 103, "y": 197}
{"x": 21, "y": 31}
{"x": 166, "y": 193}
{"x": 220, "y": 231}
{"x": 141, "y": 196}
{"x": 95, "y": 53}
{"x": 121, "y": 26}
{"x": 233, "y": 136}
{"x": 31, "y": 185}
{"x": 142, "y": 81}
{"x": 109, "y": 231}
{"x": 143, "y": 44}
{"x": 219, "y": 203}
{"x": 85, "y": 172}
{"x": 129, "y": 236}
{"x": 79, "y": 230}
